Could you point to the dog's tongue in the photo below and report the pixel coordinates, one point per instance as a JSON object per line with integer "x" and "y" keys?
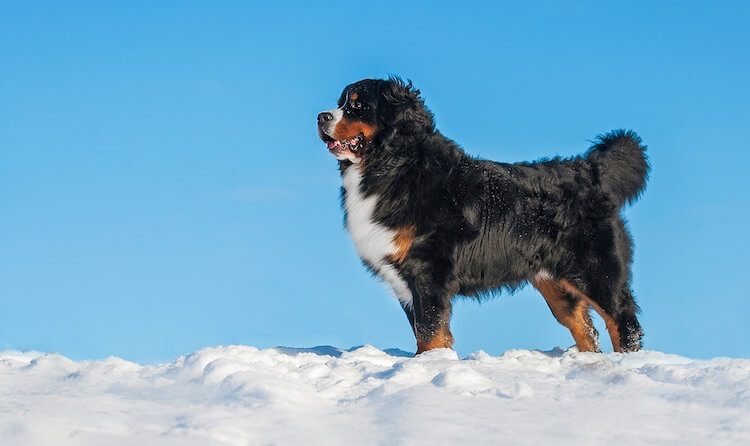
{"x": 332, "y": 144}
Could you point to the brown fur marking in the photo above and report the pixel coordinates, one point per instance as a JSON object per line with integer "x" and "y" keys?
{"x": 441, "y": 339}
{"x": 403, "y": 239}
{"x": 612, "y": 327}
{"x": 347, "y": 129}
{"x": 577, "y": 319}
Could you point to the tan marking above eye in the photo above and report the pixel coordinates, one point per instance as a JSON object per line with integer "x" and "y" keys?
{"x": 354, "y": 96}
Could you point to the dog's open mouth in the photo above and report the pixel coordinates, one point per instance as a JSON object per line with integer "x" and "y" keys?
{"x": 334, "y": 145}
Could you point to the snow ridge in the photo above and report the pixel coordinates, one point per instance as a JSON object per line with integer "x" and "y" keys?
{"x": 239, "y": 395}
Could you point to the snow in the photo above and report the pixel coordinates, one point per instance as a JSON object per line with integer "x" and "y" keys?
{"x": 239, "y": 395}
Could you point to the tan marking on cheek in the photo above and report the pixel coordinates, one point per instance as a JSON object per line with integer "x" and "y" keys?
{"x": 347, "y": 129}
{"x": 403, "y": 239}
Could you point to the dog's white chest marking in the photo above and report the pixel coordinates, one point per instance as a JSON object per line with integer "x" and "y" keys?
{"x": 373, "y": 241}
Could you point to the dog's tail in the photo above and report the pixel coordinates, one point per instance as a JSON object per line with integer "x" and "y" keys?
{"x": 619, "y": 165}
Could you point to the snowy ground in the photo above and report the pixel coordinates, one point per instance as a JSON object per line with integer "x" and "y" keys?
{"x": 244, "y": 396}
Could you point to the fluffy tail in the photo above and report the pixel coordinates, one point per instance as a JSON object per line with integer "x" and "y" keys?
{"x": 620, "y": 165}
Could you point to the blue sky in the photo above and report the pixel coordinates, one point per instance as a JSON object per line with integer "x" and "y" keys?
{"x": 162, "y": 187}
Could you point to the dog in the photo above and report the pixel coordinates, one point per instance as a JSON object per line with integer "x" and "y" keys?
{"x": 435, "y": 223}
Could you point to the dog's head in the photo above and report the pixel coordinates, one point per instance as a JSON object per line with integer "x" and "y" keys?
{"x": 370, "y": 110}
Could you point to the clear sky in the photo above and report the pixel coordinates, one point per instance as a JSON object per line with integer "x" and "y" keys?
{"x": 162, "y": 186}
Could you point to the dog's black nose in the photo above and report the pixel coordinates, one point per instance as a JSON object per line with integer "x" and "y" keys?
{"x": 324, "y": 117}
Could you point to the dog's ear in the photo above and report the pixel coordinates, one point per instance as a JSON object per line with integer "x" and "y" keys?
{"x": 402, "y": 106}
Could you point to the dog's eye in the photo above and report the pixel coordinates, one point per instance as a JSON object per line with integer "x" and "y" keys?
{"x": 355, "y": 105}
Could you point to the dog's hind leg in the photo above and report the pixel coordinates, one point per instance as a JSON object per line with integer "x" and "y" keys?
{"x": 571, "y": 311}
{"x": 628, "y": 327}
{"x": 618, "y": 309}
{"x": 600, "y": 275}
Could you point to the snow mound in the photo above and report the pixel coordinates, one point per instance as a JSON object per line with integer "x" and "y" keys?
{"x": 240, "y": 395}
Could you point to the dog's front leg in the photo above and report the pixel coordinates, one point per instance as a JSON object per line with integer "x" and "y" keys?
{"x": 432, "y": 313}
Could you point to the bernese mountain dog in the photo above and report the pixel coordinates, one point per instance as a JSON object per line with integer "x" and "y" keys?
{"x": 435, "y": 223}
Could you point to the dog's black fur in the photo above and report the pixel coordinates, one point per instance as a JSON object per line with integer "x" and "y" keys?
{"x": 478, "y": 226}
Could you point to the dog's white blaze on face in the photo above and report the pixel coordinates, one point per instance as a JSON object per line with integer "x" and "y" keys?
{"x": 374, "y": 242}
{"x": 337, "y": 115}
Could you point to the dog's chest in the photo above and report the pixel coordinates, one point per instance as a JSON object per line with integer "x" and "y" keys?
{"x": 374, "y": 242}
